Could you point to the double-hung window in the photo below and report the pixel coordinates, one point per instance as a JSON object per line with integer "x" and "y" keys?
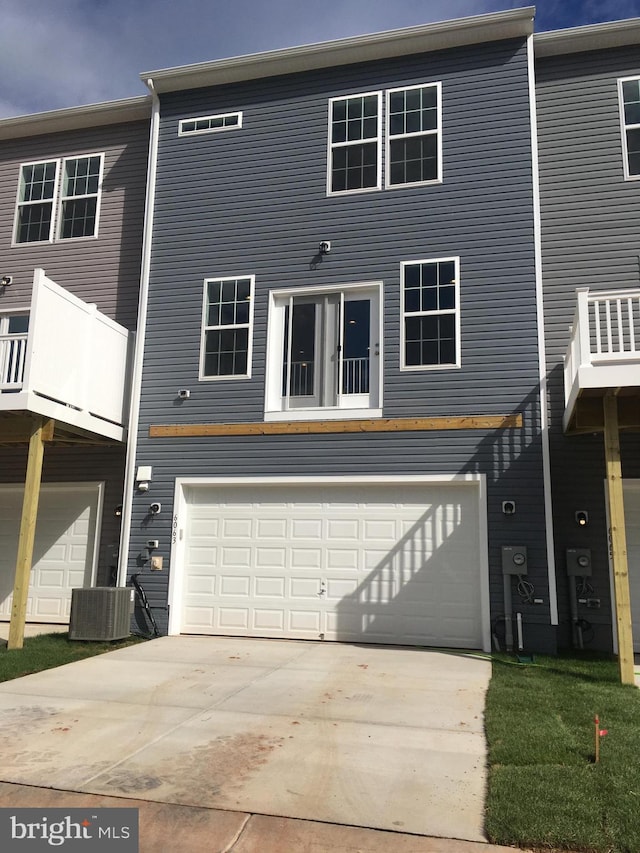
{"x": 225, "y": 351}
{"x": 409, "y": 155}
{"x": 629, "y": 93}
{"x": 324, "y": 352}
{"x": 413, "y": 135}
{"x": 355, "y": 142}
{"x": 430, "y": 332}
{"x": 58, "y": 199}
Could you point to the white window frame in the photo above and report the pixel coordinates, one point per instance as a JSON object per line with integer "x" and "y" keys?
{"x": 56, "y": 201}
{"x": 20, "y": 204}
{"x": 435, "y": 313}
{"x": 97, "y": 195}
{"x": 624, "y": 127}
{"x": 331, "y": 145}
{"x": 388, "y": 137}
{"x": 274, "y": 408}
{"x": 249, "y": 326}
{"x": 183, "y": 121}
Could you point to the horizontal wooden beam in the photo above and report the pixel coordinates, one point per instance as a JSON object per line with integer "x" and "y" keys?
{"x": 18, "y": 429}
{"x": 312, "y": 427}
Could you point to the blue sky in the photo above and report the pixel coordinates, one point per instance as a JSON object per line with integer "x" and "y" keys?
{"x": 62, "y": 53}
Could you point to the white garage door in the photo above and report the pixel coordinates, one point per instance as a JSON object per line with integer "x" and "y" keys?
{"x": 632, "y": 526}
{"x": 370, "y": 563}
{"x": 63, "y": 556}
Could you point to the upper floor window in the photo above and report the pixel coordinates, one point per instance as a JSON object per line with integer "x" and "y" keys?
{"x": 225, "y": 351}
{"x": 629, "y": 92}
{"x": 430, "y": 331}
{"x": 413, "y": 135}
{"x": 50, "y": 209}
{"x": 411, "y": 153}
{"x": 323, "y": 352}
{"x": 355, "y": 143}
{"x": 209, "y": 124}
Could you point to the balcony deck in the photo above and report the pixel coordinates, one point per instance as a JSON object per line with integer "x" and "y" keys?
{"x": 72, "y": 365}
{"x": 603, "y": 358}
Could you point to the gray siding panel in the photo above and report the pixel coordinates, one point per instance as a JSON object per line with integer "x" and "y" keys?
{"x": 104, "y": 270}
{"x": 253, "y": 201}
{"x": 590, "y": 233}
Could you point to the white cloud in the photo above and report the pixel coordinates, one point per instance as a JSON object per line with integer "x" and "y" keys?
{"x": 67, "y": 52}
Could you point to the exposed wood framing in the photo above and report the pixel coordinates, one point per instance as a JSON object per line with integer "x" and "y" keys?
{"x": 39, "y": 428}
{"x": 352, "y": 426}
{"x": 618, "y": 539}
{"x": 589, "y": 414}
{"x": 16, "y": 429}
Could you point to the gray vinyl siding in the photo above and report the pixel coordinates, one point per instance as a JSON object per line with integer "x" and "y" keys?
{"x": 253, "y": 202}
{"x": 105, "y": 269}
{"x": 590, "y": 238}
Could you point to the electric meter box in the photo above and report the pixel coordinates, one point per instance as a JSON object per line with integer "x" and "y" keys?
{"x": 579, "y": 562}
{"x": 514, "y": 559}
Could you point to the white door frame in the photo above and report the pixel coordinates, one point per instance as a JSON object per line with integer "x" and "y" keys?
{"x": 177, "y": 563}
{"x": 634, "y": 483}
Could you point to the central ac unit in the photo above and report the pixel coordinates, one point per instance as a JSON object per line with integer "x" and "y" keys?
{"x": 101, "y": 613}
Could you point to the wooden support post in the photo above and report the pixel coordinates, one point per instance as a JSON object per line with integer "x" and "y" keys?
{"x": 618, "y": 539}
{"x": 39, "y": 430}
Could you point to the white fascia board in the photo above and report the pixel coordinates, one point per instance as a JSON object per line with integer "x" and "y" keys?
{"x": 513, "y": 23}
{"x": 77, "y": 118}
{"x": 590, "y": 37}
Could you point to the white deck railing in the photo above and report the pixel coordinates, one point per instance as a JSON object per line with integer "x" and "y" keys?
{"x": 73, "y": 364}
{"x": 13, "y": 351}
{"x": 605, "y": 333}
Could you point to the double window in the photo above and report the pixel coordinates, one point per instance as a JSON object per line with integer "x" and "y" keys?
{"x": 225, "y": 351}
{"x": 58, "y": 199}
{"x": 323, "y": 351}
{"x": 629, "y": 92}
{"x": 412, "y": 139}
{"x": 430, "y": 331}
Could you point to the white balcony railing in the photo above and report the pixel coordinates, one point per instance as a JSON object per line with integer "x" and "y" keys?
{"x": 73, "y": 364}
{"x": 13, "y": 352}
{"x": 604, "y": 350}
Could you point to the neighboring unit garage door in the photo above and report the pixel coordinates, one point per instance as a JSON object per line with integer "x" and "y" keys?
{"x": 368, "y": 562}
{"x": 632, "y": 526}
{"x": 63, "y": 556}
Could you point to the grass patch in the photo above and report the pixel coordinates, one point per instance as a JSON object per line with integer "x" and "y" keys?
{"x": 48, "y": 650}
{"x": 545, "y": 790}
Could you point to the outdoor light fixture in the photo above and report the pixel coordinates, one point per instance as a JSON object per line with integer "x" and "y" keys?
{"x": 582, "y": 517}
{"x": 118, "y": 511}
{"x": 508, "y": 507}
{"x": 6, "y": 280}
{"x": 325, "y": 247}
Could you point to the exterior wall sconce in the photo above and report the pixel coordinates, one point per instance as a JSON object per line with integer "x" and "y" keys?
{"x": 6, "y": 281}
{"x": 509, "y": 507}
{"x": 582, "y": 517}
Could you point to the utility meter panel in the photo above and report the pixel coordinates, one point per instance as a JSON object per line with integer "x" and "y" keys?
{"x": 579, "y": 562}
{"x": 514, "y": 559}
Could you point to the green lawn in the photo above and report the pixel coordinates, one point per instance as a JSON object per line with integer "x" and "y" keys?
{"x": 49, "y": 650}
{"x": 545, "y": 790}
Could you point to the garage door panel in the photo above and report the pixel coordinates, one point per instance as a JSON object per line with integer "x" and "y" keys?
{"x": 366, "y": 563}
{"x": 63, "y": 549}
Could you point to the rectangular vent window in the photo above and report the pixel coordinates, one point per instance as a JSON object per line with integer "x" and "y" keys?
{"x": 209, "y": 124}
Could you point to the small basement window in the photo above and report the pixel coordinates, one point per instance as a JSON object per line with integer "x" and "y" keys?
{"x": 209, "y": 124}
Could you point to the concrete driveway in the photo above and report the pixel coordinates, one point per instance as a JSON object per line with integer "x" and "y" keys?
{"x": 380, "y": 737}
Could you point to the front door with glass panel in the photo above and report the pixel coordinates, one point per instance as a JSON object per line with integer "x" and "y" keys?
{"x": 329, "y": 352}
{"x": 13, "y": 350}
